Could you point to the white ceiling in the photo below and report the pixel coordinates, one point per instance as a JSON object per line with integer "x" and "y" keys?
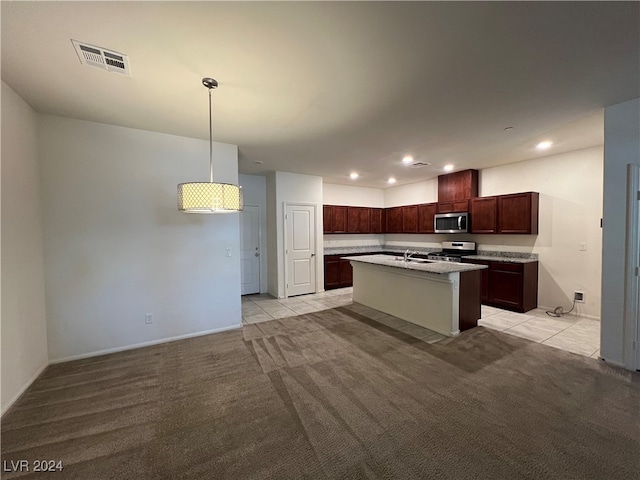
{"x": 326, "y": 88}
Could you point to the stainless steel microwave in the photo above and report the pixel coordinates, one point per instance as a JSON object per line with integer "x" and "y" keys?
{"x": 451, "y": 222}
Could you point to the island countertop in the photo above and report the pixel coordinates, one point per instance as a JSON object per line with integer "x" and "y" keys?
{"x": 421, "y": 265}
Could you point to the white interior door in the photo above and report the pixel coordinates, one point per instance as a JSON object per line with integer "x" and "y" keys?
{"x": 632, "y": 293}
{"x": 635, "y": 235}
{"x": 300, "y": 249}
{"x": 250, "y": 249}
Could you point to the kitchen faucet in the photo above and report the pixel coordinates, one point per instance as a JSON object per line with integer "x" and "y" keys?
{"x": 408, "y": 255}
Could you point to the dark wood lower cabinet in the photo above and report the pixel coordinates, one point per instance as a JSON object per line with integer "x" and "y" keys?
{"x": 512, "y": 286}
{"x": 469, "y": 310}
{"x": 338, "y": 273}
{"x": 331, "y": 272}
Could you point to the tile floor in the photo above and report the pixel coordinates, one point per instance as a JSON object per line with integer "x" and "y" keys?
{"x": 574, "y": 334}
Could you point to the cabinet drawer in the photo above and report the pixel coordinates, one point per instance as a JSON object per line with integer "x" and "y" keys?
{"x": 507, "y": 267}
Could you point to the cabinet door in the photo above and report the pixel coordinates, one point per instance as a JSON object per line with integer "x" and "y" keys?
{"x": 331, "y": 272}
{"x": 445, "y": 207}
{"x": 426, "y": 213}
{"x": 353, "y": 219}
{"x": 346, "y": 274}
{"x": 376, "y": 220}
{"x": 364, "y": 222}
{"x": 483, "y": 214}
{"x": 327, "y": 219}
{"x": 457, "y": 186}
{"x": 484, "y": 273}
{"x": 461, "y": 205}
{"x": 518, "y": 213}
{"x": 506, "y": 285}
{"x": 339, "y": 214}
{"x": 394, "y": 219}
{"x": 410, "y": 219}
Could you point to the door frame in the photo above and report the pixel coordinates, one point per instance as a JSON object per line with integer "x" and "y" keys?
{"x": 632, "y": 284}
{"x": 260, "y": 263}
{"x": 284, "y": 243}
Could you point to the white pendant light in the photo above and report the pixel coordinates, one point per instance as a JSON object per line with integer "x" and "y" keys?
{"x": 210, "y": 197}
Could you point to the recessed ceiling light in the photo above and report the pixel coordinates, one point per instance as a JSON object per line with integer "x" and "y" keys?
{"x": 508, "y": 129}
{"x": 258, "y": 162}
{"x": 407, "y": 160}
{"x": 354, "y": 175}
{"x": 448, "y": 168}
{"x": 544, "y": 145}
{"x": 391, "y": 180}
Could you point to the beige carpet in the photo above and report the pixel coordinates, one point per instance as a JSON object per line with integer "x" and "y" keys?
{"x": 331, "y": 395}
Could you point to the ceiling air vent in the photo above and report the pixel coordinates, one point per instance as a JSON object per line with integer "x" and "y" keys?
{"x": 102, "y": 58}
{"x": 419, "y": 164}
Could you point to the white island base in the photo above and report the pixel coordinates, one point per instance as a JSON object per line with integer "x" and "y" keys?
{"x": 443, "y": 302}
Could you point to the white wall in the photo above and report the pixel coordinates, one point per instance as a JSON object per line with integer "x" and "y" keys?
{"x": 352, "y": 195}
{"x": 116, "y": 246}
{"x": 621, "y": 147}
{"x": 24, "y": 330}
{"x": 295, "y": 188}
{"x": 272, "y": 237}
{"x": 255, "y": 193}
{"x": 570, "y": 187}
{"x": 420, "y": 192}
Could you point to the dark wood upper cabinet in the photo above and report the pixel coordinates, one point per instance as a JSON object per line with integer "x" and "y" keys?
{"x": 410, "y": 219}
{"x": 453, "y": 206}
{"x": 518, "y": 213}
{"x": 515, "y": 213}
{"x": 339, "y": 219}
{"x": 458, "y": 186}
{"x": 358, "y": 220}
{"x": 327, "y": 219}
{"x": 394, "y": 220}
{"x": 376, "y": 220}
{"x": 483, "y": 213}
{"x": 426, "y": 212}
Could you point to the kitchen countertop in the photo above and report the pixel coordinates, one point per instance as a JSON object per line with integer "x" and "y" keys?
{"x": 429, "y": 267}
{"x": 487, "y": 255}
{"x": 378, "y": 249}
{"x": 501, "y": 257}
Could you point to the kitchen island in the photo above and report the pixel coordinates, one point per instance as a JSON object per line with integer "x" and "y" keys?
{"x": 441, "y": 296}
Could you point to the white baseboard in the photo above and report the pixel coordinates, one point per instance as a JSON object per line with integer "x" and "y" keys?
{"x": 6, "y": 408}
{"x": 143, "y": 344}
{"x": 613, "y": 362}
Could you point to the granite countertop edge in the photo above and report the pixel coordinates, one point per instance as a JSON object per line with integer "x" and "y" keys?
{"x": 488, "y": 255}
{"x": 432, "y": 267}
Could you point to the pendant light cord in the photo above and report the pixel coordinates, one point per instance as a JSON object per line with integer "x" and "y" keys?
{"x": 210, "y": 140}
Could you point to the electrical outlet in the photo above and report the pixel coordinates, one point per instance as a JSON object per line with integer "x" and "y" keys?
{"x": 227, "y": 252}
{"x": 578, "y": 296}
{"x": 583, "y": 247}
{"x": 148, "y": 318}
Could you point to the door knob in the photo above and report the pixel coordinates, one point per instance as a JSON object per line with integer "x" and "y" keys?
{"x": 257, "y": 254}
{"x": 313, "y": 254}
